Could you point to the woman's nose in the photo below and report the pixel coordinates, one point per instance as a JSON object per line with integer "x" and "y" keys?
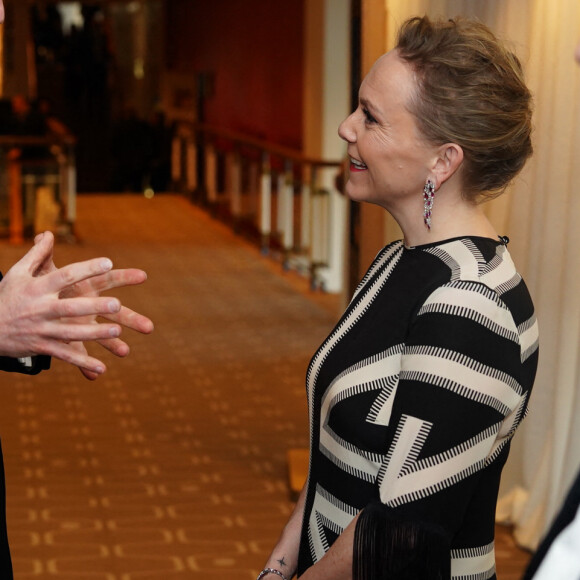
{"x": 346, "y": 130}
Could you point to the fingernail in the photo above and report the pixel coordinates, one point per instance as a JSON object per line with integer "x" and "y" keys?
{"x": 114, "y": 332}
{"x": 114, "y": 306}
{"x": 100, "y": 370}
{"x": 106, "y": 264}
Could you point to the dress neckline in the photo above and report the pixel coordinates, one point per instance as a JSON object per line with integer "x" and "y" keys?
{"x": 500, "y": 241}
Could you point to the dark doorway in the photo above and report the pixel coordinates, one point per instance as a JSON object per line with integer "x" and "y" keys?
{"x": 99, "y": 66}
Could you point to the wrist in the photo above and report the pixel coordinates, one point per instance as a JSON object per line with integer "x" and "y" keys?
{"x": 272, "y": 572}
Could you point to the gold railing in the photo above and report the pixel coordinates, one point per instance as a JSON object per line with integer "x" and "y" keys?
{"x": 56, "y": 171}
{"x": 276, "y": 194}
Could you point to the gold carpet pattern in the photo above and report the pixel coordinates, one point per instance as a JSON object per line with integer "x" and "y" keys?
{"x": 173, "y": 465}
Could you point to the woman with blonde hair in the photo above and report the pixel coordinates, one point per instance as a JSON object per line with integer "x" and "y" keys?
{"x": 416, "y": 393}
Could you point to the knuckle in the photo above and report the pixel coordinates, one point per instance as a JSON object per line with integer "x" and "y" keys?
{"x": 67, "y": 276}
{"x": 68, "y": 308}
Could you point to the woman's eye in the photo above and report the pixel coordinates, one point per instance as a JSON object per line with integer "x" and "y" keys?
{"x": 368, "y": 117}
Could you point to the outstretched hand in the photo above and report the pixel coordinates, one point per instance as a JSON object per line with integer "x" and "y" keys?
{"x": 52, "y": 311}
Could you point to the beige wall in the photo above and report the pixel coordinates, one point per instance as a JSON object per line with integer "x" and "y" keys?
{"x": 325, "y": 104}
{"x": 376, "y": 225}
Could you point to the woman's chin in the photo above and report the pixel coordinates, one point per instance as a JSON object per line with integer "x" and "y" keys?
{"x": 360, "y": 195}
{"x": 354, "y": 193}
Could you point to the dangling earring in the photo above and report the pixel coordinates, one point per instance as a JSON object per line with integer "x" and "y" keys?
{"x": 428, "y": 197}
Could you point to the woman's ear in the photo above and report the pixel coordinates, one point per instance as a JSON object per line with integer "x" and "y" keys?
{"x": 447, "y": 162}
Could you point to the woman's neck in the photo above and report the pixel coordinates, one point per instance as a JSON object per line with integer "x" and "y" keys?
{"x": 451, "y": 217}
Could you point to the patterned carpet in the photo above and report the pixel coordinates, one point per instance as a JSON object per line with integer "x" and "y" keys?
{"x": 173, "y": 465}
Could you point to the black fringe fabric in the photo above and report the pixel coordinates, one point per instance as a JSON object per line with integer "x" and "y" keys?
{"x": 387, "y": 547}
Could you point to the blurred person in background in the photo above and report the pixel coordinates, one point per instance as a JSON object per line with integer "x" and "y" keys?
{"x": 47, "y": 312}
{"x": 558, "y": 555}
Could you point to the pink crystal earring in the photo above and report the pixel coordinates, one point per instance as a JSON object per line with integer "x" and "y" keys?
{"x": 428, "y": 197}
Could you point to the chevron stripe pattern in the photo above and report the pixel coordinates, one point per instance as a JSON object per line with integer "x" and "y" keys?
{"x": 473, "y": 563}
{"x": 415, "y": 395}
{"x": 331, "y": 514}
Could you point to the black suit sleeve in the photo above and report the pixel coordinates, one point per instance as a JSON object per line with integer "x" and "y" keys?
{"x": 29, "y": 366}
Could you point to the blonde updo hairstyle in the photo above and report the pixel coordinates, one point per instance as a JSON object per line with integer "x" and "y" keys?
{"x": 471, "y": 91}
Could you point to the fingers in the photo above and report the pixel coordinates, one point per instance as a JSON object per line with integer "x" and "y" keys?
{"x": 38, "y": 237}
{"x": 117, "y": 279}
{"x": 131, "y": 319}
{"x": 59, "y": 331}
{"x": 69, "y": 275}
{"x": 56, "y": 309}
{"x": 38, "y": 255}
{"x": 89, "y": 374}
{"x": 74, "y": 307}
{"x": 76, "y": 355}
{"x": 79, "y": 347}
{"x": 116, "y": 346}
{"x": 46, "y": 265}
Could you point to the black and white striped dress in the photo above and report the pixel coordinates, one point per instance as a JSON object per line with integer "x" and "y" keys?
{"x": 415, "y": 396}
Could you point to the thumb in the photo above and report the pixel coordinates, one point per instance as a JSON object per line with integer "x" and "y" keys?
{"x": 40, "y": 254}
{"x": 38, "y": 238}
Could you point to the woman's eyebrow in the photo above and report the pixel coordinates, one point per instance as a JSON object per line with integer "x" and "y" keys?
{"x": 369, "y": 106}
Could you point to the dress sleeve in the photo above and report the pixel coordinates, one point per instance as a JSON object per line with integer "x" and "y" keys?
{"x": 463, "y": 389}
{"x": 459, "y": 397}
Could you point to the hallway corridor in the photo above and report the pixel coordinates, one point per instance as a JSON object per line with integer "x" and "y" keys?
{"x": 172, "y": 466}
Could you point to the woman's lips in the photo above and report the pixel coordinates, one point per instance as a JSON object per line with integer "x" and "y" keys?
{"x": 356, "y": 165}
